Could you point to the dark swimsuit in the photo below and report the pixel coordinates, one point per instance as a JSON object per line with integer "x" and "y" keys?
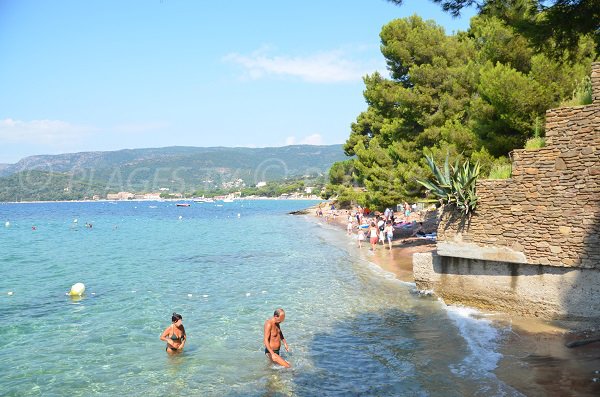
{"x": 276, "y": 351}
{"x": 174, "y": 337}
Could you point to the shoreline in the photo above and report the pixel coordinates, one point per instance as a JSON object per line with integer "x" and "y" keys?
{"x": 536, "y": 348}
{"x": 152, "y": 200}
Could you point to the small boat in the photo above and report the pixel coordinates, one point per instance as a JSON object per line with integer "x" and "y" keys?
{"x": 203, "y": 200}
{"x": 228, "y": 200}
{"x": 182, "y": 205}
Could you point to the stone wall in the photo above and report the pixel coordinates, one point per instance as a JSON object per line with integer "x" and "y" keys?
{"x": 532, "y": 246}
{"x": 596, "y": 83}
{"x": 548, "y": 212}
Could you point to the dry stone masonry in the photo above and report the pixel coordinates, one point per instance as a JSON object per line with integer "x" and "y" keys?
{"x": 548, "y": 213}
{"x": 537, "y": 231}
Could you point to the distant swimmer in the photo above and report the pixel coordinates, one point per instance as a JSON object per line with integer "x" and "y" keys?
{"x": 274, "y": 338}
{"x": 175, "y": 335}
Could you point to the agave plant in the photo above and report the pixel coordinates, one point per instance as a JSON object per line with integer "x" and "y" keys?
{"x": 441, "y": 184}
{"x": 454, "y": 184}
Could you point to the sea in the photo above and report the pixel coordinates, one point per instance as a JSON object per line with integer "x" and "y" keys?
{"x": 353, "y": 329}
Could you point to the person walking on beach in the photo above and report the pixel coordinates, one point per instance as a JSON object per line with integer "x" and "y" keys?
{"x": 381, "y": 227}
{"x": 406, "y": 211}
{"x": 389, "y": 232}
{"x": 174, "y": 335}
{"x": 361, "y": 236}
{"x": 373, "y": 235}
{"x": 273, "y": 338}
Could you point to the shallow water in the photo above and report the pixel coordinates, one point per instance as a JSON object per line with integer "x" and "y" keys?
{"x": 353, "y": 328}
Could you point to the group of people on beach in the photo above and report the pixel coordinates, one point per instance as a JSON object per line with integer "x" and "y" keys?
{"x": 376, "y": 227}
{"x": 379, "y": 229}
{"x": 175, "y": 337}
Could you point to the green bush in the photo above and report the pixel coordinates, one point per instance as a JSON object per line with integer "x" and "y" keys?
{"x": 582, "y": 94}
{"x": 500, "y": 171}
{"x": 348, "y": 196}
{"x": 537, "y": 142}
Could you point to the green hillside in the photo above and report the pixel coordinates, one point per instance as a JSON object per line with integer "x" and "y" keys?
{"x": 178, "y": 169}
{"x": 43, "y": 186}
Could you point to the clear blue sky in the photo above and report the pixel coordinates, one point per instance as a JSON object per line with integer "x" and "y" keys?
{"x": 87, "y": 75}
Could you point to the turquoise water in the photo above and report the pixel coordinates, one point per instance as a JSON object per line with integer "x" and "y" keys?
{"x": 353, "y": 329}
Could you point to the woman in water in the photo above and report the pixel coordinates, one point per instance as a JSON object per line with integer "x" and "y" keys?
{"x": 174, "y": 335}
{"x": 373, "y": 235}
{"x": 389, "y": 232}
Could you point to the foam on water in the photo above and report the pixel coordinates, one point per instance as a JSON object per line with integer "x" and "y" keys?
{"x": 353, "y": 326}
{"x": 482, "y": 339}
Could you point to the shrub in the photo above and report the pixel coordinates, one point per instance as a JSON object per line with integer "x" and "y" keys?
{"x": 455, "y": 185}
{"x": 582, "y": 94}
{"x": 500, "y": 171}
{"x": 537, "y": 142}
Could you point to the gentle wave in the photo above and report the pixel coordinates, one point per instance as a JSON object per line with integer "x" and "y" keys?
{"x": 354, "y": 329}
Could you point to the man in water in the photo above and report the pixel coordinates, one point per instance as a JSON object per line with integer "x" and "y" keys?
{"x": 274, "y": 338}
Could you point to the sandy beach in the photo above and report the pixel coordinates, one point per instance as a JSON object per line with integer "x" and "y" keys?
{"x": 536, "y": 360}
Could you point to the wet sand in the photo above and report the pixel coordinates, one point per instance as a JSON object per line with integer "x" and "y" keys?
{"x": 536, "y": 360}
{"x": 398, "y": 260}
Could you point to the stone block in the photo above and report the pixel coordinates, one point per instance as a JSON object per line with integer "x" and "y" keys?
{"x": 560, "y": 164}
{"x": 587, "y": 150}
{"x": 569, "y": 154}
{"x": 569, "y": 261}
{"x": 531, "y": 171}
{"x": 564, "y": 229}
{"x": 555, "y": 249}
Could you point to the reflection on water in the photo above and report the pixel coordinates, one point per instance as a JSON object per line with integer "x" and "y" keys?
{"x": 353, "y": 329}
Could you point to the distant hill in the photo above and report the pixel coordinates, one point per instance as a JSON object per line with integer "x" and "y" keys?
{"x": 178, "y": 168}
{"x": 43, "y": 186}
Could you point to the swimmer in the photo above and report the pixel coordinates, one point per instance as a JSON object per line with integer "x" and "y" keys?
{"x": 274, "y": 338}
{"x": 174, "y": 335}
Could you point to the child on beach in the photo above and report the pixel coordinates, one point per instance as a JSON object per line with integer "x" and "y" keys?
{"x": 361, "y": 237}
{"x": 349, "y": 227}
{"x": 389, "y": 231}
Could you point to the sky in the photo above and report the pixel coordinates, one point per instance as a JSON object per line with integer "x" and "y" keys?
{"x": 98, "y": 75}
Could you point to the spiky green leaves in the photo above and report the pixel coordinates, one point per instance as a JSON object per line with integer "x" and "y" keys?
{"x": 454, "y": 184}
